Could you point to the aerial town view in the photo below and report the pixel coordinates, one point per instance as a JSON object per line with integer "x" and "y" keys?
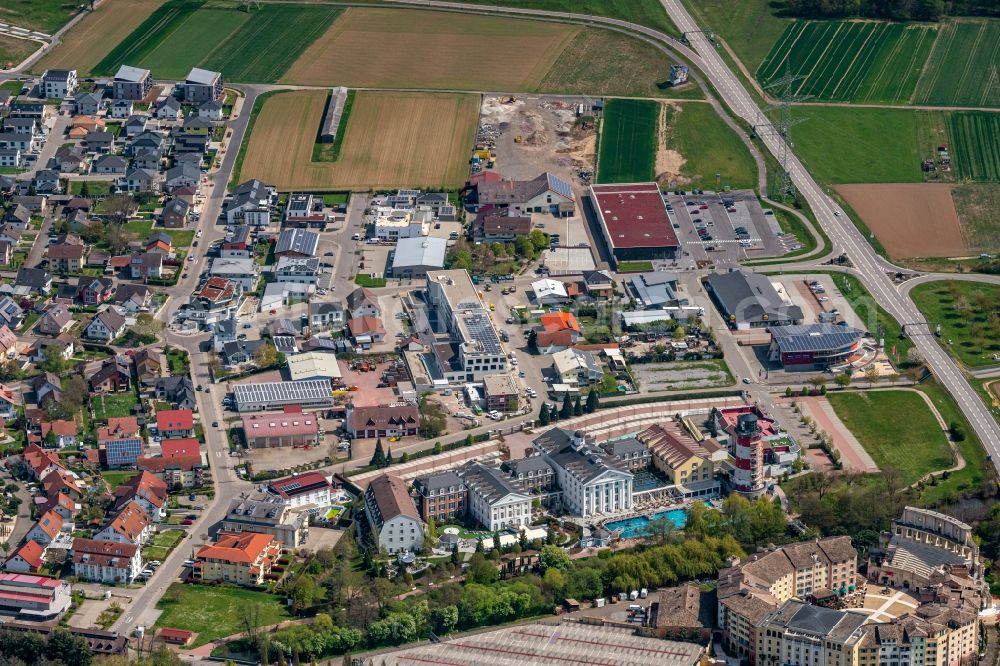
{"x": 500, "y": 332}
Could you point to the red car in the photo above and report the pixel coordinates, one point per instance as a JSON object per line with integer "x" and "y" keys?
{"x": 187, "y": 521}
{"x": 703, "y": 206}
{"x": 273, "y": 312}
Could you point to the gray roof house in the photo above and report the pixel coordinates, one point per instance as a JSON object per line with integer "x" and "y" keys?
{"x": 110, "y": 164}
{"x": 99, "y": 141}
{"x": 296, "y": 243}
{"x": 168, "y": 109}
{"x": 38, "y": 280}
{"x": 88, "y": 103}
{"x": 147, "y": 158}
{"x": 47, "y": 182}
{"x": 182, "y": 175}
{"x": 139, "y": 180}
{"x": 328, "y": 315}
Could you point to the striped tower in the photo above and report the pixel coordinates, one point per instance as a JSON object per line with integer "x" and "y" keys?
{"x": 749, "y": 458}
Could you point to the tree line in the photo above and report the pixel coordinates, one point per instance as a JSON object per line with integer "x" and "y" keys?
{"x": 893, "y": 10}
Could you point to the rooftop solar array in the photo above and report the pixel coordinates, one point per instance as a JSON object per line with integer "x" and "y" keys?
{"x": 481, "y": 331}
{"x": 814, "y": 337}
{"x": 303, "y": 391}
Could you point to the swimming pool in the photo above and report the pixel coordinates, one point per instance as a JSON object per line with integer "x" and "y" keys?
{"x": 635, "y": 527}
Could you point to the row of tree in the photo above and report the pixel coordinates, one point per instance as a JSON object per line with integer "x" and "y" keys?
{"x": 571, "y": 407}
{"x": 895, "y": 10}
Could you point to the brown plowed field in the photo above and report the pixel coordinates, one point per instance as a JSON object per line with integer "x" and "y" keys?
{"x": 96, "y": 34}
{"x": 392, "y": 139}
{"x": 393, "y": 48}
{"x": 910, "y": 220}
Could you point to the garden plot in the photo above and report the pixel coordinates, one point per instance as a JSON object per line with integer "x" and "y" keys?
{"x": 682, "y": 375}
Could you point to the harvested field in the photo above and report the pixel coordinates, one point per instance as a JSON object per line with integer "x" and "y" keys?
{"x": 90, "y": 40}
{"x": 391, "y": 140}
{"x": 978, "y": 208}
{"x": 401, "y": 48}
{"x": 13, "y": 50}
{"x": 910, "y": 220}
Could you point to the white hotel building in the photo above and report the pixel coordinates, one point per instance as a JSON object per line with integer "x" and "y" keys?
{"x": 592, "y": 482}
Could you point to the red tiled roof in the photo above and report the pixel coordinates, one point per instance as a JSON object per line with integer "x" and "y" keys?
{"x": 237, "y": 548}
{"x": 130, "y": 521}
{"x": 50, "y": 523}
{"x": 157, "y": 464}
{"x": 217, "y": 289}
{"x": 559, "y": 321}
{"x": 145, "y": 485}
{"x": 123, "y": 425}
{"x": 103, "y": 552}
{"x": 634, "y": 215}
{"x": 60, "y": 427}
{"x": 280, "y": 424}
{"x": 32, "y": 553}
{"x": 175, "y": 419}
{"x": 366, "y": 324}
{"x": 172, "y": 448}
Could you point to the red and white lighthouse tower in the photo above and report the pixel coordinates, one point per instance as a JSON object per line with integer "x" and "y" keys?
{"x": 749, "y": 457}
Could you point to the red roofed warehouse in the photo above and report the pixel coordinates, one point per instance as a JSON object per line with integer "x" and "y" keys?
{"x": 35, "y": 596}
{"x": 288, "y": 428}
{"x": 634, "y": 221}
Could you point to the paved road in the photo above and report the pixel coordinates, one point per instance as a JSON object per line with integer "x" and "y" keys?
{"x": 845, "y": 236}
{"x": 227, "y": 483}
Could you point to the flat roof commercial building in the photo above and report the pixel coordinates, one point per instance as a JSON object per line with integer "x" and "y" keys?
{"x": 34, "y": 596}
{"x": 415, "y": 256}
{"x": 275, "y": 430}
{"x": 748, "y": 300}
{"x": 307, "y": 393}
{"x": 634, "y": 221}
{"x": 813, "y": 346}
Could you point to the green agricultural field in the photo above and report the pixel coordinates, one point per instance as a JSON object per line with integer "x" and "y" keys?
{"x": 975, "y": 147}
{"x": 851, "y": 61}
{"x": 628, "y": 141}
{"x": 915, "y": 445}
{"x": 42, "y": 15}
{"x": 967, "y": 313}
{"x": 214, "y": 612}
{"x": 963, "y": 65}
{"x": 708, "y": 147}
{"x": 644, "y": 12}
{"x": 221, "y": 37}
{"x": 978, "y": 207}
{"x": 840, "y": 144}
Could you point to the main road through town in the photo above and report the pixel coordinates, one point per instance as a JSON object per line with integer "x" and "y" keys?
{"x": 871, "y": 269}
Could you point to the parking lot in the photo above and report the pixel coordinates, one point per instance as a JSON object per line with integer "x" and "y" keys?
{"x": 728, "y": 233}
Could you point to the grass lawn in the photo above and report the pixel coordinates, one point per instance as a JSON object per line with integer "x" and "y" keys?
{"x": 12, "y": 86}
{"x": 168, "y": 538}
{"x": 838, "y": 142}
{"x": 42, "y": 15}
{"x": 976, "y": 466}
{"x": 214, "y": 612}
{"x": 154, "y": 553}
{"x": 967, "y": 313}
{"x": 180, "y": 238}
{"x": 368, "y": 281}
{"x": 115, "y": 478}
{"x": 872, "y": 315}
{"x": 915, "y": 445}
{"x": 750, "y": 27}
{"x": 635, "y": 266}
{"x": 95, "y": 188}
{"x": 13, "y": 50}
{"x": 117, "y": 404}
{"x": 179, "y": 363}
{"x": 708, "y": 147}
{"x": 628, "y": 141}
{"x": 142, "y": 228}
{"x": 645, "y": 12}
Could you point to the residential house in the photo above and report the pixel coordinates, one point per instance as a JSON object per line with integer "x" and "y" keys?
{"x": 147, "y": 158}
{"x": 25, "y": 108}
{"x": 17, "y": 216}
{"x": 131, "y": 525}
{"x": 366, "y": 330}
{"x": 326, "y": 316}
{"x": 238, "y": 243}
{"x": 576, "y": 366}
{"x": 8, "y": 402}
{"x": 175, "y": 423}
{"x": 550, "y": 292}
{"x": 27, "y": 126}
{"x": 61, "y": 482}
{"x": 45, "y": 531}
{"x": 132, "y": 83}
{"x": 107, "y": 325}
{"x": 240, "y": 352}
{"x": 178, "y": 391}
{"x": 146, "y": 265}
{"x": 211, "y": 110}
{"x": 263, "y": 513}
{"x": 222, "y": 332}
{"x": 110, "y": 165}
{"x": 63, "y": 344}
{"x": 398, "y": 420}
{"x": 392, "y": 516}
{"x": 495, "y": 228}
{"x": 63, "y": 433}
{"x": 58, "y": 83}
{"x": 244, "y": 559}
{"x": 100, "y": 142}
{"x": 10, "y": 140}
{"x": 298, "y": 243}
{"x": 135, "y": 125}
{"x": 8, "y": 342}
{"x": 297, "y": 271}
{"x": 11, "y": 314}
{"x": 148, "y": 366}
{"x": 202, "y": 85}
{"x": 161, "y": 243}
{"x": 95, "y": 290}
{"x": 139, "y": 180}
{"x": 39, "y": 281}
{"x": 114, "y": 375}
{"x": 362, "y": 302}
{"x": 244, "y": 272}
{"x": 175, "y": 213}
{"x": 181, "y": 175}
{"x": 133, "y": 298}
{"x": 88, "y": 103}
{"x": 168, "y": 109}
{"x": 543, "y": 194}
{"x": 62, "y": 504}
{"x": 66, "y": 257}
{"x": 68, "y": 159}
{"x": 47, "y": 181}
{"x": 39, "y": 463}
{"x": 145, "y": 141}
{"x": 29, "y": 558}
{"x": 185, "y": 471}
{"x": 251, "y": 203}
{"x": 556, "y": 332}
{"x": 120, "y": 108}
{"x": 105, "y": 561}
{"x": 146, "y": 490}
{"x": 46, "y": 387}
{"x": 217, "y": 300}
{"x": 598, "y": 284}
{"x": 10, "y": 158}
{"x": 55, "y": 320}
